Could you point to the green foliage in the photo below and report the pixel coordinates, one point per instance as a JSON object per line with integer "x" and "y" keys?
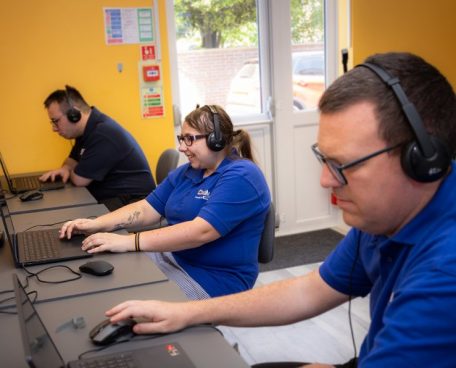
{"x": 231, "y": 23}
{"x": 215, "y": 20}
{"x": 307, "y": 17}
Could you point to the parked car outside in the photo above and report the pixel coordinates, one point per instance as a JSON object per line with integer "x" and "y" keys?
{"x": 308, "y": 83}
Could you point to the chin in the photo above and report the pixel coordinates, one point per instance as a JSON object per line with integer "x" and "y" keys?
{"x": 360, "y": 224}
{"x": 352, "y": 220}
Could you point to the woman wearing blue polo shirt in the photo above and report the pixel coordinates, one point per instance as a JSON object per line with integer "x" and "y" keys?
{"x": 215, "y": 206}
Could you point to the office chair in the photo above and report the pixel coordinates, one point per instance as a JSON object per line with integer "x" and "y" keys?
{"x": 266, "y": 247}
{"x": 168, "y": 161}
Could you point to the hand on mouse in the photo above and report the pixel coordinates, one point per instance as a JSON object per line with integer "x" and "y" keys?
{"x": 79, "y": 226}
{"x": 103, "y": 242}
{"x": 153, "y": 316}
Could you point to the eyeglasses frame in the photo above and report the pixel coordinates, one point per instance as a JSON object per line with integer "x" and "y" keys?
{"x": 337, "y": 169}
{"x": 193, "y": 138}
{"x": 56, "y": 121}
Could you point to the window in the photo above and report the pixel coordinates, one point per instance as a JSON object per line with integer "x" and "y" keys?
{"x": 217, "y": 54}
{"x": 308, "y": 58}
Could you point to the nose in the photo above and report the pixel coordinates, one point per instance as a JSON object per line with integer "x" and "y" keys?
{"x": 327, "y": 179}
{"x": 182, "y": 146}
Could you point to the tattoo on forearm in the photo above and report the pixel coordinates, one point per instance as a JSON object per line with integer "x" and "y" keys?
{"x": 119, "y": 226}
{"x": 132, "y": 218}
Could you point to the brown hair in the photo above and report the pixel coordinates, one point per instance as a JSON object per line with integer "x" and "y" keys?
{"x": 423, "y": 84}
{"x": 67, "y": 98}
{"x": 201, "y": 119}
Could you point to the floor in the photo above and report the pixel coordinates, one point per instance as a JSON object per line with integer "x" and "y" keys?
{"x": 324, "y": 339}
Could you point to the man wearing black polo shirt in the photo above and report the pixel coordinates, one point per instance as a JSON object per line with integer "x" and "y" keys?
{"x": 105, "y": 157}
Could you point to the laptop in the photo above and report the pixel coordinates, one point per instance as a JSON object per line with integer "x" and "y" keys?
{"x": 41, "y": 352}
{"x": 40, "y": 246}
{"x": 25, "y": 183}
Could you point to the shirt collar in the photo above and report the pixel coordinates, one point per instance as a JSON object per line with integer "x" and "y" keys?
{"x": 92, "y": 122}
{"x": 438, "y": 211}
{"x": 197, "y": 176}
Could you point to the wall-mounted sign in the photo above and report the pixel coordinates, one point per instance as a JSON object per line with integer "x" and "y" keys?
{"x": 128, "y": 25}
{"x": 148, "y": 52}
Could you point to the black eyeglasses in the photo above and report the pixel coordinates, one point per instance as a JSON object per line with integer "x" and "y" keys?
{"x": 189, "y": 139}
{"x": 337, "y": 169}
{"x": 56, "y": 121}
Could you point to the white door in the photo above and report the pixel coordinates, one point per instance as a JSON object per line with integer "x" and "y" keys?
{"x": 302, "y": 204}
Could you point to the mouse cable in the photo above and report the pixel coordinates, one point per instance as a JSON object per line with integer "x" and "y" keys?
{"x": 145, "y": 337}
{"x": 31, "y": 274}
{"x": 55, "y": 223}
{"x": 5, "y": 197}
{"x": 33, "y": 300}
{"x": 350, "y": 296}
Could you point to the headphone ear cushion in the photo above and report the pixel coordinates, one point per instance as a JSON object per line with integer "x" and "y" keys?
{"x": 215, "y": 144}
{"x": 425, "y": 169}
{"x": 73, "y": 115}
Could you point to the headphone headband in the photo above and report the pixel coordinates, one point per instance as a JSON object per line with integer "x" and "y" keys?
{"x": 416, "y": 123}
{"x": 73, "y": 114}
{"x": 426, "y": 158}
{"x": 215, "y": 140}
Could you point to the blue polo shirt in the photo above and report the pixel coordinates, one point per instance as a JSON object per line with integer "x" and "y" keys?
{"x": 411, "y": 278}
{"x": 234, "y": 200}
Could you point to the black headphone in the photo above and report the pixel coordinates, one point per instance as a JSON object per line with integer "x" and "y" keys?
{"x": 215, "y": 140}
{"x": 73, "y": 115}
{"x": 426, "y": 158}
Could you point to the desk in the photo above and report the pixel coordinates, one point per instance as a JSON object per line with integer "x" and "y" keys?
{"x": 130, "y": 269}
{"x": 205, "y": 346}
{"x": 91, "y": 296}
{"x": 69, "y": 196}
{"x": 24, "y": 221}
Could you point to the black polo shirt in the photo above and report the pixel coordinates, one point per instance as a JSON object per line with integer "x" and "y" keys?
{"x": 109, "y": 155}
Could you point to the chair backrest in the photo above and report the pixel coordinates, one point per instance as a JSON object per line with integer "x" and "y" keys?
{"x": 168, "y": 161}
{"x": 266, "y": 248}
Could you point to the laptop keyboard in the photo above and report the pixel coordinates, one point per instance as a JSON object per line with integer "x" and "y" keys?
{"x": 27, "y": 182}
{"x": 45, "y": 245}
{"x": 121, "y": 360}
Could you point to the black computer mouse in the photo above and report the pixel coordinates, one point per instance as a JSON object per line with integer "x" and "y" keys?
{"x": 31, "y": 195}
{"x": 107, "y": 333}
{"x": 97, "y": 268}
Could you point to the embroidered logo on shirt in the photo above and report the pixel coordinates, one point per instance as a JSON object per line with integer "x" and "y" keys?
{"x": 81, "y": 152}
{"x": 203, "y": 194}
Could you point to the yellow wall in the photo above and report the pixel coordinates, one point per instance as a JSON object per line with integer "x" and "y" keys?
{"x": 46, "y": 44}
{"x": 426, "y": 28}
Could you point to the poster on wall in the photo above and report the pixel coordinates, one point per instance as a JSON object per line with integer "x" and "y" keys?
{"x": 152, "y": 102}
{"x": 129, "y": 25}
{"x": 151, "y": 88}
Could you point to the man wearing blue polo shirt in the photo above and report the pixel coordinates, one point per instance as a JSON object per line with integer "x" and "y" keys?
{"x": 386, "y": 137}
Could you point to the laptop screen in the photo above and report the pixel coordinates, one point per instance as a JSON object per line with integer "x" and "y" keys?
{"x": 6, "y": 173}
{"x": 39, "y": 349}
{"x": 9, "y": 229}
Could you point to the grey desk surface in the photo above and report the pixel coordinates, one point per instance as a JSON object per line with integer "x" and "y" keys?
{"x": 130, "y": 269}
{"x": 23, "y": 221}
{"x": 69, "y": 196}
{"x": 205, "y": 346}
